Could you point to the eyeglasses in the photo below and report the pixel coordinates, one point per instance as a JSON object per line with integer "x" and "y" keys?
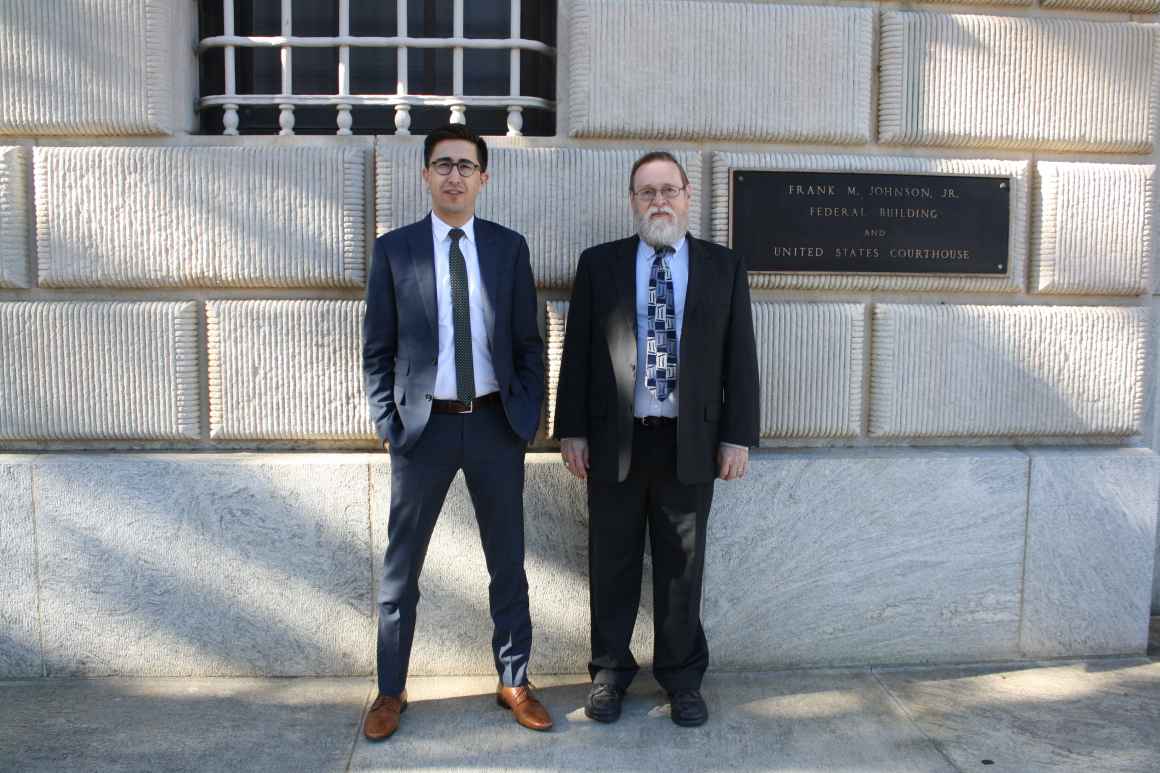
{"x": 444, "y": 166}
{"x": 668, "y": 192}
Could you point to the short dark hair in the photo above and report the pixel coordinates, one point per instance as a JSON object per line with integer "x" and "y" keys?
{"x": 455, "y": 131}
{"x": 657, "y": 155}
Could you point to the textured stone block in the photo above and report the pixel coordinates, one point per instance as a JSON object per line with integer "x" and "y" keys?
{"x": 741, "y": 71}
{"x": 286, "y": 369}
{"x": 213, "y": 566}
{"x": 13, "y": 218}
{"x": 453, "y": 633}
{"x": 557, "y": 319}
{"x": 1124, "y": 6}
{"x": 1092, "y": 229}
{"x": 19, "y": 625}
{"x": 1017, "y": 171}
{"x": 1007, "y": 370}
{"x": 98, "y": 67}
{"x": 853, "y": 557}
{"x": 563, "y": 200}
{"x": 991, "y": 81}
{"x": 201, "y": 216}
{"x": 810, "y": 358}
{"x": 1090, "y": 540}
{"x": 99, "y": 370}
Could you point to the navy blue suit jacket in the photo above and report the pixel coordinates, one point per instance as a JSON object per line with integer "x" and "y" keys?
{"x": 401, "y": 330}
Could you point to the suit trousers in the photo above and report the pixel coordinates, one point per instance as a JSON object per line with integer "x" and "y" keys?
{"x": 491, "y": 456}
{"x": 676, "y": 516}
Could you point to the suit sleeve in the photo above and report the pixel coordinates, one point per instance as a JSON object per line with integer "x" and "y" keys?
{"x": 380, "y": 341}
{"x": 527, "y": 346}
{"x": 741, "y": 416}
{"x": 575, "y": 366}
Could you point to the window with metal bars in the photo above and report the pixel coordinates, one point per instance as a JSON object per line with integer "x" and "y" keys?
{"x": 376, "y": 66}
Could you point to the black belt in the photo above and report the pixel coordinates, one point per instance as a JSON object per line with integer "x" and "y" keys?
{"x": 455, "y": 406}
{"x": 654, "y": 422}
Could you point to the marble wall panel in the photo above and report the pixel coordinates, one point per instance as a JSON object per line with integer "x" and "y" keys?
{"x": 962, "y": 371}
{"x": 968, "y": 80}
{"x": 1018, "y": 178}
{"x": 1091, "y": 537}
{"x": 736, "y": 71}
{"x": 834, "y": 558}
{"x": 98, "y": 67}
{"x": 222, "y": 566}
{"x": 14, "y": 201}
{"x": 254, "y": 216}
{"x": 20, "y": 653}
{"x": 99, "y": 370}
{"x": 453, "y": 632}
{"x": 1092, "y": 229}
{"x": 562, "y": 200}
{"x": 286, "y": 370}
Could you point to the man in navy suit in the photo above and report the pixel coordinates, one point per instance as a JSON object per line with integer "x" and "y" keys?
{"x": 453, "y": 363}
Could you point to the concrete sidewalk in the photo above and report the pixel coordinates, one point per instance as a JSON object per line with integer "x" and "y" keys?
{"x": 1092, "y": 715}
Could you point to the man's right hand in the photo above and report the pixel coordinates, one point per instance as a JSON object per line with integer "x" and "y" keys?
{"x": 575, "y": 453}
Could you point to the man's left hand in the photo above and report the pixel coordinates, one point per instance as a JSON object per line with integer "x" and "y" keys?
{"x": 732, "y": 462}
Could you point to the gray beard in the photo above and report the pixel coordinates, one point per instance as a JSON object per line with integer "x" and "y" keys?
{"x": 660, "y": 233}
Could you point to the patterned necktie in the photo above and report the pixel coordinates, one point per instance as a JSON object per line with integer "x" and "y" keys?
{"x": 661, "y": 354}
{"x": 461, "y": 319}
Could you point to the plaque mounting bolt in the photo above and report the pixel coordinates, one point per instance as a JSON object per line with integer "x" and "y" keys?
{"x": 1003, "y": 186}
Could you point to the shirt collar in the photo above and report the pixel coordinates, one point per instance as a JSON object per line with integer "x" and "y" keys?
{"x": 441, "y": 229}
{"x": 647, "y": 250}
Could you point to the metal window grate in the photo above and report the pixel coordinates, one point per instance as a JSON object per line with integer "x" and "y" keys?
{"x": 343, "y": 101}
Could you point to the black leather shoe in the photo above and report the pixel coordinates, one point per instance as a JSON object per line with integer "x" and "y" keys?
{"x": 688, "y": 708}
{"x": 603, "y": 702}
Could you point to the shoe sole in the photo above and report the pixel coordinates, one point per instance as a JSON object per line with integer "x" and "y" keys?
{"x": 605, "y": 718}
{"x": 690, "y": 723}
{"x": 370, "y": 737}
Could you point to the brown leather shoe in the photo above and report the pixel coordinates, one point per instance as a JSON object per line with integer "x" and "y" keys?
{"x": 383, "y": 718}
{"x": 529, "y": 712}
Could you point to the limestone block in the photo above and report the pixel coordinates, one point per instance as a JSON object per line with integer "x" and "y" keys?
{"x": 13, "y": 218}
{"x": 992, "y": 81}
{"x": 453, "y": 632}
{"x": 717, "y": 71}
{"x": 257, "y": 216}
{"x": 563, "y": 200}
{"x": 557, "y": 319}
{"x": 20, "y": 654}
{"x": 88, "y": 370}
{"x": 1090, "y": 539}
{"x": 203, "y": 567}
{"x": 1018, "y": 172}
{"x": 286, "y": 370}
{"x": 1124, "y": 6}
{"x": 853, "y": 557}
{"x": 1092, "y": 229}
{"x": 1007, "y": 370}
{"x": 98, "y": 67}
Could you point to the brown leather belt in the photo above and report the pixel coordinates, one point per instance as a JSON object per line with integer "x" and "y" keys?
{"x": 455, "y": 406}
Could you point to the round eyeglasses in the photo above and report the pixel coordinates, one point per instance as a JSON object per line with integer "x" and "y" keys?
{"x": 667, "y": 192}
{"x": 444, "y": 166}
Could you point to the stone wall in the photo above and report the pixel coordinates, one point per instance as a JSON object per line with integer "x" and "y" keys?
{"x": 970, "y": 455}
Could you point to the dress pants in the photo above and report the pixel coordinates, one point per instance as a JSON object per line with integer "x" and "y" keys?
{"x": 491, "y": 456}
{"x": 676, "y": 515}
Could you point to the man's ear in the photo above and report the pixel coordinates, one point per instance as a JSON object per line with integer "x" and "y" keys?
{"x": 483, "y": 178}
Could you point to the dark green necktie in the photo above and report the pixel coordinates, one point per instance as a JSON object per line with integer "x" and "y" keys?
{"x": 461, "y": 318}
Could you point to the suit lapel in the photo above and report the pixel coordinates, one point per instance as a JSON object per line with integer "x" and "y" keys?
{"x": 485, "y": 249}
{"x": 624, "y": 269}
{"x": 699, "y": 277}
{"x": 422, "y": 242}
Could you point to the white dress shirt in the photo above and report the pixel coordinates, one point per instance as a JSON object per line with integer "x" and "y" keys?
{"x": 482, "y": 315}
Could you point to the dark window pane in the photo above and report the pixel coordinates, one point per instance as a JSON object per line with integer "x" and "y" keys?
{"x": 315, "y": 70}
{"x": 486, "y": 73}
{"x": 258, "y": 119}
{"x": 257, "y": 17}
{"x": 373, "y": 18}
{"x": 487, "y": 19}
{"x": 259, "y": 71}
{"x": 213, "y": 71}
{"x": 429, "y": 18}
{"x": 537, "y": 75}
{"x": 315, "y": 120}
{"x": 373, "y": 71}
{"x": 429, "y": 70}
{"x": 210, "y": 19}
{"x": 538, "y": 22}
{"x": 373, "y": 120}
{"x": 312, "y": 18}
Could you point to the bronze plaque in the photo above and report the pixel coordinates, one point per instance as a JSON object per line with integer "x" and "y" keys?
{"x": 870, "y": 222}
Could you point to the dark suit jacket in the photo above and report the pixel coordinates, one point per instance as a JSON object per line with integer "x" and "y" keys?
{"x": 717, "y": 385}
{"x": 401, "y": 327}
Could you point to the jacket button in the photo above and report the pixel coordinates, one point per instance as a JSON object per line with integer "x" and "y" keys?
{"x": 429, "y": 397}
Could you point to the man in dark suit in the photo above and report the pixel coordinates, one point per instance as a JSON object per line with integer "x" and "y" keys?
{"x": 454, "y": 372}
{"x": 658, "y": 394}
